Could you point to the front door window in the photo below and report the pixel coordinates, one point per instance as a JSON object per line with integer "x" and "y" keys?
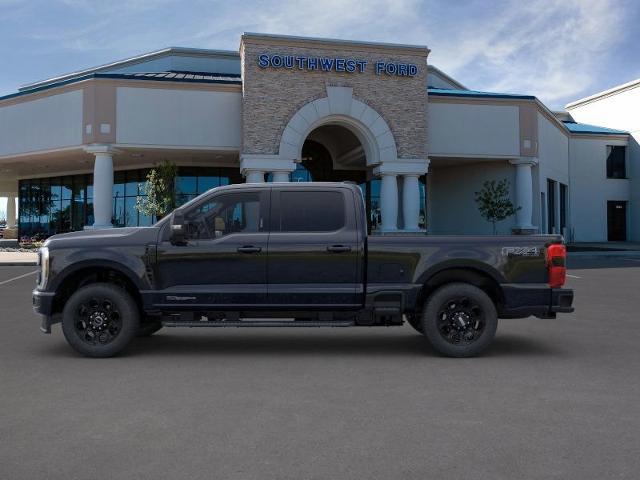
{"x": 224, "y": 215}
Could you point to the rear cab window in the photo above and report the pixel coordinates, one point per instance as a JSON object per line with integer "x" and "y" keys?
{"x": 311, "y": 211}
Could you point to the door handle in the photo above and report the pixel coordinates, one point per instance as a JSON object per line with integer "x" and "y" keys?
{"x": 339, "y": 248}
{"x": 249, "y": 249}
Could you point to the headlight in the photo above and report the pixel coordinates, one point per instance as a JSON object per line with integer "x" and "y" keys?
{"x": 43, "y": 260}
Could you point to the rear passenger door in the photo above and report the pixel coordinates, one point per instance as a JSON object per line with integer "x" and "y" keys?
{"x": 313, "y": 249}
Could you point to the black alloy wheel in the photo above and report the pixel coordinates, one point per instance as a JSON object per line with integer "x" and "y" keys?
{"x": 97, "y": 321}
{"x": 100, "y": 319}
{"x": 459, "y": 320}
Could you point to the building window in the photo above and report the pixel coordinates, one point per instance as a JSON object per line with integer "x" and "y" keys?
{"x": 61, "y": 204}
{"x": 543, "y": 212}
{"x": 551, "y": 206}
{"x": 616, "y": 161}
{"x": 563, "y": 206}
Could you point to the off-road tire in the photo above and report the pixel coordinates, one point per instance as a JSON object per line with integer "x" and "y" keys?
{"x": 103, "y": 302}
{"x": 437, "y": 320}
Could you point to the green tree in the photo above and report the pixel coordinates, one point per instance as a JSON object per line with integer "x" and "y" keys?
{"x": 494, "y": 203}
{"x": 159, "y": 191}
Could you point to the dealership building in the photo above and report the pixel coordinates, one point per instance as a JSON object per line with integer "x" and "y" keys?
{"x": 75, "y": 149}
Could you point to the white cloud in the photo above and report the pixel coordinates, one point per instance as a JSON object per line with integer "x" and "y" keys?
{"x": 551, "y": 48}
{"x": 548, "y": 48}
{"x": 350, "y": 19}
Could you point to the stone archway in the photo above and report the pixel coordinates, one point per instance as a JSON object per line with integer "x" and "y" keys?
{"x": 340, "y": 108}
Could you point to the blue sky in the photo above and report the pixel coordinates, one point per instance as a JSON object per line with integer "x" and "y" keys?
{"x": 558, "y": 50}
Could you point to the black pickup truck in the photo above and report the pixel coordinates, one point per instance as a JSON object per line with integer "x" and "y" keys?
{"x": 291, "y": 255}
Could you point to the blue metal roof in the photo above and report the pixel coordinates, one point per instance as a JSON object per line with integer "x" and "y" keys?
{"x": 176, "y": 75}
{"x": 188, "y": 77}
{"x": 575, "y": 127}
{"x": 444, "y": 92}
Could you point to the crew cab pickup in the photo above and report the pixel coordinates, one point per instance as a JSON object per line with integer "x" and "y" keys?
{"x": 291, "y": 255}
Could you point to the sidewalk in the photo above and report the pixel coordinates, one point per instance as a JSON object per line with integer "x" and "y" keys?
{"x": 602, "y": 247}
{"x": 606, "y": 253}
{"x": 23, "y": 259}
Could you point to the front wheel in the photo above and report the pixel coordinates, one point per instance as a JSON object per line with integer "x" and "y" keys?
{"x": 100, "y": 319}
{"x": 459, "y": 320}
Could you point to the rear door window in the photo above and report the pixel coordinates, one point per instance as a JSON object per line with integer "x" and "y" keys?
{"x": 312, "y": 211}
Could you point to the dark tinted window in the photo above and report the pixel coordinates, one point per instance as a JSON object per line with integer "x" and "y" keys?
{"x": 616, "y": 167}
{"x": 551, "y": 206}
{"x": 311, "y": 211}
{"x": 563, "y": 206}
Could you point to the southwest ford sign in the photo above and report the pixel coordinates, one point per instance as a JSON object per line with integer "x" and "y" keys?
{"x": 331, "y": 64}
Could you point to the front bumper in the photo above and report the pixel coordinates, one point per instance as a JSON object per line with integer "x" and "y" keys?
{"x": 524, "y": 300}
{"x": 43, "y": 305}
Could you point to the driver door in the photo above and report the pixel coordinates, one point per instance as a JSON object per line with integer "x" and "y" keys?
{"x": 223, "y": 261}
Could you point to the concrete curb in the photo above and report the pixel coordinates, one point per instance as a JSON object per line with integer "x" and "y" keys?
{"x": 18, "y": 264}
{"x": 616, "y": 253}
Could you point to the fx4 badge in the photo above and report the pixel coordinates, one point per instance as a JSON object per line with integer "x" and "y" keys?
{"x": 520, "y": 251}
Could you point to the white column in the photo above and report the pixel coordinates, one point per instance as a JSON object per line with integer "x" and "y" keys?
{"x": 253, "y": 167}
{"x": 280, "y": 176}
{"x": 102, "y": 185}
{"x": 253, "y": 209}
{"x": 410, "y": 170}
{"x": 524, "y": 192}
{"x": 410, "y": 201}
{"x": 254, "y": 176}
{"x": 11, "y": 212}
{"x": 389, "y": 202}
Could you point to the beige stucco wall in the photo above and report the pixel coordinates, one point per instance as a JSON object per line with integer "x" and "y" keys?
{"x": 50, "y": 122}
{"x": 590, "y": 189}
{"x": 272, "y": 96}
{"x": 459, "y": 129}
{"x": 453, "y": 209}
{"x": 184, "y": 118}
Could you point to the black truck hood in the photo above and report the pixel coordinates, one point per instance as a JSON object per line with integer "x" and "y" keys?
{"x": 101, "y": 238}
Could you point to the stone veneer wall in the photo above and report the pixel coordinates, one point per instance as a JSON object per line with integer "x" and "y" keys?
{"x": 271, "y": 96}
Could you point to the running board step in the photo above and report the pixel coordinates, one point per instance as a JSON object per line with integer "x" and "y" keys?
{"x": 261, "y": 323}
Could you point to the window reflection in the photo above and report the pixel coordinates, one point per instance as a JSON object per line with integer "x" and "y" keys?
{"x": 61, "y": 204}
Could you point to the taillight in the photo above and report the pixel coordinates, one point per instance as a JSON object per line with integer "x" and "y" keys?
{"x": 556, "y": 264}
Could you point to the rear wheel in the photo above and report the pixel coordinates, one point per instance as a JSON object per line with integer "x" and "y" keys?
{"x": 100, "y": 319}
{"x": 459, "y": 320}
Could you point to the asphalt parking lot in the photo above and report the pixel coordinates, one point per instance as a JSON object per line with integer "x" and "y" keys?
{"x": 551, "y": 399}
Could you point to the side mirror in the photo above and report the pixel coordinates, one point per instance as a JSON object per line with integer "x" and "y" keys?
{"x": 178, "y": 235}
